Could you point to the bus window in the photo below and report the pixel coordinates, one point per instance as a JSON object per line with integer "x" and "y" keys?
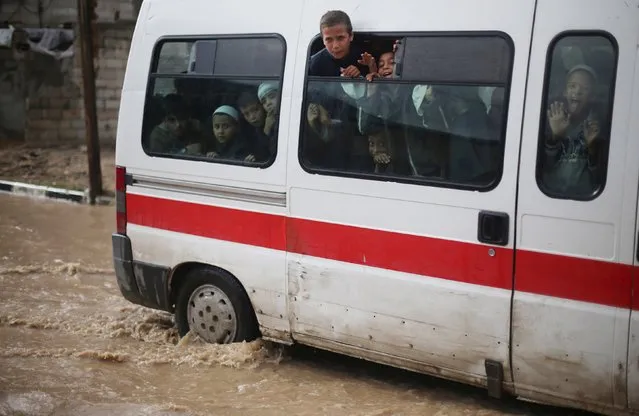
{"x": 440, "y": 121}
{"x": 215, "y": 100}
{"x": 576, "y": 119}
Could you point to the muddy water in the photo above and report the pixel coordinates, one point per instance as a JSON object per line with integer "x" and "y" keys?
{"x": 71, "y": 345}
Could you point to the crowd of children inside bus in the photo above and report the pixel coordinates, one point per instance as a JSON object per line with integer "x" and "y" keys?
{"x": 450, "y": 133}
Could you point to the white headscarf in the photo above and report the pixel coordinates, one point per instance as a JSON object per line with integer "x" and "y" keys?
{"x": 265, "y": 88}
{"x": 229, "y": 111}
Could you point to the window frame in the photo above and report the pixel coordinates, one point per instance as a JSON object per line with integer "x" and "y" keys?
{"x": 412, "y": 180}
{"x": 151, "y": 76}
{"x": 543, "y": 118}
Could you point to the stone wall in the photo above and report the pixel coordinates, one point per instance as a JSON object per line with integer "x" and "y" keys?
{"x": 52, "y": 101}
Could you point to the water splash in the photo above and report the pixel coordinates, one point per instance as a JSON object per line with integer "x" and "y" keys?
{"x": 70, "y": 269}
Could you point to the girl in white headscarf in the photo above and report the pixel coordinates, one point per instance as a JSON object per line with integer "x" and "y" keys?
{"x": 268, "y": 94}
{"x": 227, "y": 143}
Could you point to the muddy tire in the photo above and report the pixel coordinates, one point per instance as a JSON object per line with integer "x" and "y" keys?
{"x": 212, "y": 304}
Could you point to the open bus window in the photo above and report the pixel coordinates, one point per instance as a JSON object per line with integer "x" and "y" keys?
{"x": 426, "y": 124}
{"x": 576, "y": 118}
{"x": 215, "y": 100}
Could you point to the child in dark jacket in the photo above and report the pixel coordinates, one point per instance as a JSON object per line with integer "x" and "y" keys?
{"x": 228, "y": 143}
{"x": 573, "y": 151}
{"x": 261, "y": 144}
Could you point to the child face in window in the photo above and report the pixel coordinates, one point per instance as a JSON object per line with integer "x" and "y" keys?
{"x": 224, "y": 128}
{"x": 175, "y": 124}
{"x": 269, "y": 102}
{"x": 337, "y": 40}
{"x": 386, "y": 64}
{"x": 254, "y": 114}
{"x": 376, "y": 144}
{"x": 578, "y": 92}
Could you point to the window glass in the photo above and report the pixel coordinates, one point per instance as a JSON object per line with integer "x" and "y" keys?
{"x": 576, "y": 118}
{"x": 193, "y": 111}
{"x": 457, "y": 58}
{"x": 174, "y": 57}
{"x": 430, "y": 125}
{"x": 249, "y": 57}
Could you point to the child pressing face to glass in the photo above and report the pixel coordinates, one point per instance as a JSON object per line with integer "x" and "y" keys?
{"x": 572, "y": 113}
{"x": 268, "y": 95}
{"x": 578, "y": 91}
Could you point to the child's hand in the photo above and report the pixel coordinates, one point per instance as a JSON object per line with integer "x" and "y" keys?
{"x": 395, "y": 45}
{"x": 313, "y": 113}
{"x": 371, "y": 76}
{"x": 350, "y": 72}
{"x": 317, "y": 113}
{"x": 324, "y": 118}
{"x": 558, "y": 119}
{"x": 269, "y": 123}
{"x": 249, "y": 158}
{"x": 591, "y": 131}
{"x": 211, "y": 154}
{"x": 382, "y": 159}
{"x": 368, "y": 60}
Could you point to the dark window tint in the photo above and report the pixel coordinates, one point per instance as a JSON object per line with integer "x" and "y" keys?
{"x": 259, "y": 57}
{"x": 441, "y": 121}
{"x": 439, "y": 134}
{"x": 204, "y": 103}
{"x": 457, "y": 59}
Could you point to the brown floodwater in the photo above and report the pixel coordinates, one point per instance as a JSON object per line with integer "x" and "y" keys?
{"x": 71, "y": 345}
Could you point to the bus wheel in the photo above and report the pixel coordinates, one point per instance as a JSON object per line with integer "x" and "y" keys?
{"x": 213, "y": 305}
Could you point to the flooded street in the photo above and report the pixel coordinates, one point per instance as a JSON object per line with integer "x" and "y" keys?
{"x": 71, "y": 345}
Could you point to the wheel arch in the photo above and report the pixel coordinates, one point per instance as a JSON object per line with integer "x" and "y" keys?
{"x": 179, "y": 275}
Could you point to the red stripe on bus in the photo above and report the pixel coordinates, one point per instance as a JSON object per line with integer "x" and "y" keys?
{"x": 585, "y": 280}
{"x": 566, "y": 277}
{"x": 433, "y": 257}
{"x": 237, "y": 226}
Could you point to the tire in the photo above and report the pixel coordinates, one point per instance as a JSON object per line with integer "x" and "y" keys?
{"x": 215, "y": 306}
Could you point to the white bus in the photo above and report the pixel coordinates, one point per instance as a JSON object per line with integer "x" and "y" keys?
{"x": 479, "y": 226}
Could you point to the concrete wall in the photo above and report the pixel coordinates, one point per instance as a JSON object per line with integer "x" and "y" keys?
{"x": 57, "y": 12}
{"x": 12, "y": 104}
{"x": 55, "y": 113}
{"x": 49, "y": 104}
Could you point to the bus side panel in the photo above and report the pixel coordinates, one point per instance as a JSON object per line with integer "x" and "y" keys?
{"x": 573, "y": 273}
{"x": 365, "y": 313}
{"x": 633, "y": 347}
{"x": 394, "y": 272}
{"x": 256, "y": 262}
{"x": 633, "y": 355}
{"x": 181, "y": 210}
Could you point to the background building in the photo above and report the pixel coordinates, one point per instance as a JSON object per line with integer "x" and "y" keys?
{"x": 41, "y": 88}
